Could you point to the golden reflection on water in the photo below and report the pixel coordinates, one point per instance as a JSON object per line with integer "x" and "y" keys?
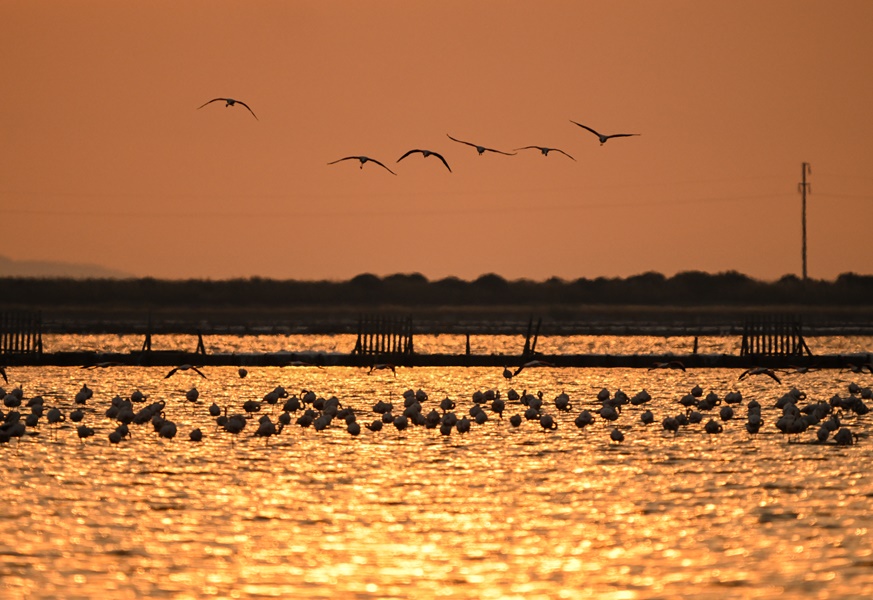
{"x": 496, "y": 513}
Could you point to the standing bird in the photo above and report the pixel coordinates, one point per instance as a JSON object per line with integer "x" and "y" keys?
{"x": 545, "y": 150}
{"x": 603, "y": 138}
{"x": 229, "y": 102}
{"x": 427, "y": 153}
{"x": 507, "y": 373}
{"x": 481, "y": 149}
{"x": 363, "y": 159}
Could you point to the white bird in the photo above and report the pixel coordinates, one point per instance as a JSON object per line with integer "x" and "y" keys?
{"x": 229, "y": 102}
{"x": 545, "y": 150}
{"x": 184, "y": 367}
{"x": 427, "y": 153}
{"x": 603, "y": 138}
{"x": 481, "y": 149}
{"x": 363, "y": 159}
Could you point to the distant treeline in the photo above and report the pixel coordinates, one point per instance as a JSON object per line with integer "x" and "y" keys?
{"x": 691, "y": 288}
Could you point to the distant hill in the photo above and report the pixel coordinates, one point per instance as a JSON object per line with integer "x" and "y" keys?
{"x": 50, "y": 269}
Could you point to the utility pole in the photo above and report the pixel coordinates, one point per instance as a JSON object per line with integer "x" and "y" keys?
{"x": 804, "y": 187}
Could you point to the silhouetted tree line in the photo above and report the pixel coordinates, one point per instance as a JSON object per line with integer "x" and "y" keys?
{"x": 691, "y": 288}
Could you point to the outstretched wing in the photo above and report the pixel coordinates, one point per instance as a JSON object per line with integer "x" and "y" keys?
{"x": 346, "y": 158}
{"x": 586, "y": 127}
{"x": 250, "y": 110}
{"x": 500, "y": 151}
{"x": 171, "y": 373}
{"x": 199, "y": 372}
{"x": 440, "y": 156}
{"x": 773, "y": 375}
{"x": 620, "y": 135}
{"x": 562, "y": 152}
{"x": 211, "y": 101}
{"x": 462, "y": 141}
{"x": 381, "y": 165}
{"x": 408, "y": 153}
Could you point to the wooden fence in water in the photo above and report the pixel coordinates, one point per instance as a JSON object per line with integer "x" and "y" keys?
{"x": 20, "y": 332}
{"x": 386, "y": 337}
{"x": 773, "y": 335}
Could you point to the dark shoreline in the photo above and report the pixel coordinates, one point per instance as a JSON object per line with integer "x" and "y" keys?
{"x": 164, "y": 358}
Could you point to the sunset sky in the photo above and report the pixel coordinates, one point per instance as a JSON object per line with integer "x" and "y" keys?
{"x": 105, "y": 158}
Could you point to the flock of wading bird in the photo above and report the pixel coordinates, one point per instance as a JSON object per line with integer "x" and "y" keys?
{"x": 480, "y": 149}
{"x": 794, "y": 413}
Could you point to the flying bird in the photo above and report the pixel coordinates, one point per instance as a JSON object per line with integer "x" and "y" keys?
{"x": 603, "y": 138}
{"x": 185, "y": 368}
{"x": 532, "y": 363}
{"x": 229, "y": 102}
{"x": 545, "y": 150}
{"x": 427, "y": 153}
{"x": 759, "y": 371}
{"x": 363, "y": 159}
{"x": 481, "y": 149}
{"x": 382, "y": 366}
{"x": 673, "y": 364}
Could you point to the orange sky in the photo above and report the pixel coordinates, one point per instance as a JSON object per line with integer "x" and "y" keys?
{"x": 105, "y": 159}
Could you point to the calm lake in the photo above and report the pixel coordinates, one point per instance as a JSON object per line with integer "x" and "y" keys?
{"x": 497, "y": 512}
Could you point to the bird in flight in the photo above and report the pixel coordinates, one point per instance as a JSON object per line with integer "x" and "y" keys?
{"x": 381, "y": 367}
{"x": 481, "y": 149}
{"x": 673, "y": 364}
{"x": 363, "y": 159}
{"x": 229, "y": 102}
{"x": 185, "y": 368}
{"x": 602, "y": 137}
{"x": 545, "y": 150}
{"x": 759, "y": 371}
{"x": 427, "y": 153}
{"x": 532, "y": 363}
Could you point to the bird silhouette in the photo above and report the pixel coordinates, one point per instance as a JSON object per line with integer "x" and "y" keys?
{"x": 185, "y": 367}
{"x": 382, "y": 366}
{"x": 481, "y": 149}
{"x": 363, "y": 160}
{"x": 603, "y": 138}
{"x": 545, "y": 150}
{"x": 759, "y": 371}
{"x": 673, "y": 364}
{"x": 229, "y": 102}
{"x": 427, "y": 153}
{"x": 532, "y": 363}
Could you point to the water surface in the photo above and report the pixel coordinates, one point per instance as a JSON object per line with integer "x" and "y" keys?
{"x": 496, "y": 513}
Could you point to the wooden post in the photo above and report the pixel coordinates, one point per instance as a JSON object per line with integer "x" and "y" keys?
{"x": 201, "y": 347}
